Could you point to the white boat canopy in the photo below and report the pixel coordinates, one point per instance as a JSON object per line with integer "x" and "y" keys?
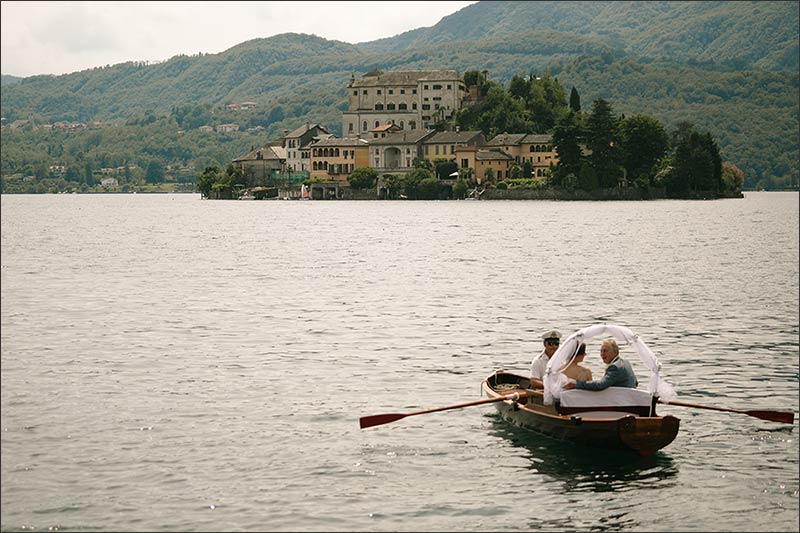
{"x": 554, "y": 380}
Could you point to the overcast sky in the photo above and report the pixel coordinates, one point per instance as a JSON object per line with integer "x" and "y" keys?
{"x": 63, "y": 37}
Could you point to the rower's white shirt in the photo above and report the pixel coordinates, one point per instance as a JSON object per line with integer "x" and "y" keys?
{"x": 539, "y": 365}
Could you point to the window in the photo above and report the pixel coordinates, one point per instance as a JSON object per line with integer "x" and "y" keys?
{"x": 436, "y": 106}
{"x": 377, "y": 123}
{"x": 413, "y": 124}
{"x": 413, "y": 91}
{"x": 390, "y": 107}
{"x": 378, "y": 107}
{"x": 364, "y": 126}
{"x": 436, "y": 98}
{"x": 426, "y": 149}
{"x": 391, "y": 91}
{"x": 402, "y": 106}
{"x": 437, "y": 149}
{"x": 452, "y": 148}
{"x": 424, "y": 98}
{"x": 402, "y": 124}
{"x": 402, "y": 91}
{"x": 376, "y": 151}
{"x": 414, "y": 105}
{"x": 426, "y": 106}
{"x": 464, "y": 163}
{"x": 352, "y": 154}
{"x": 449, "y": 86}
{"x": 344, "y": 153}
{"x": 355, "y": 93}
{"x": 364, "y": 92}
{"x": 335, "y": 152}
{"x": 379, "y": 91}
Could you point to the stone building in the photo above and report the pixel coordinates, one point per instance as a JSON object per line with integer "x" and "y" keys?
{"x": 410, "y": 99}
{"x": 395, "y": 152}
{"x": 335, "y": 159}
{"x": 297, "y": 143}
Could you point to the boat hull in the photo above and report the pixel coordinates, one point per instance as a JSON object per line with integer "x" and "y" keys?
{"x": 613, "y": 428}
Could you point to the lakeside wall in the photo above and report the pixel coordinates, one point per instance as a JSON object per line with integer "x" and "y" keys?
{"x": 346, "y": 193}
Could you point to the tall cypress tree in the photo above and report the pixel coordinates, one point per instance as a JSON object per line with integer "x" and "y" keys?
{"x": 574, "y": 100}
{"x": 603, "y": 141}
{"x": 567, "y": 135}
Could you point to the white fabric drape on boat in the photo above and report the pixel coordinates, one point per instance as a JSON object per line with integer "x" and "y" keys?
{"x": 554, "y": 380}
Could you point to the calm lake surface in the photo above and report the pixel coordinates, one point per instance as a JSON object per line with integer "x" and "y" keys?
{"x": 170, "y": 363}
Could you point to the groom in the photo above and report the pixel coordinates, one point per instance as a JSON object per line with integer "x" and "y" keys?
{"x": 619, "y": 372}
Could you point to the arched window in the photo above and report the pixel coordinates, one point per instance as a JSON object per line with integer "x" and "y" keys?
{"x": 532, "y": 148}
{"x": 377, "y": 123}
{"x": 336, "y": 152}
{"x": 350, "y": 129}
{"x": 402, "y": 106}
{"x": 390, "y": 107}
{"x": 325, "y": 165}
{"x": 379, "y": 107}
{"x": 402, "y": 122}
{"x": 364, "y": 126}
{"x": 324, "y": 152}
{"x": 314, "y": 165}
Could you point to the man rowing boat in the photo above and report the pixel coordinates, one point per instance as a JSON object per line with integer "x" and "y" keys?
{"x": 551, "y": 341}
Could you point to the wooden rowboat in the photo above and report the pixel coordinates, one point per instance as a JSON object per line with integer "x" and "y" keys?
{"x": 619, "y": 419}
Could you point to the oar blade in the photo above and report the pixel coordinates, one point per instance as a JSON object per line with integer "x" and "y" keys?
{"x": 377, "y": 420}
{"x": 773, "y": 416}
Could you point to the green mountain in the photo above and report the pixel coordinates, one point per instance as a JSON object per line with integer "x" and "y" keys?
{"x": 731, "y": 68}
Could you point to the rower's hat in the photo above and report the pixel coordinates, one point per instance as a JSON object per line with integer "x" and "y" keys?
{"x": 552, "y": 334}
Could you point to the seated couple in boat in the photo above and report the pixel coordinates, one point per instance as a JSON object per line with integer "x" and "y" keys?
{"x": 619, "y": 372}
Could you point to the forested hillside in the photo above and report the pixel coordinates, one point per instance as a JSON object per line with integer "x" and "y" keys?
{"x": 728, "y": 67}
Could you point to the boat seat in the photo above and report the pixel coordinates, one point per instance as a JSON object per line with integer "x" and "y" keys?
{"x": 610, "y": 397}
{"x": 616, "y": 399}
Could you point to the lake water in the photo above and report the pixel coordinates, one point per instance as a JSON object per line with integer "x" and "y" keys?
{"x": 170, "y": 363}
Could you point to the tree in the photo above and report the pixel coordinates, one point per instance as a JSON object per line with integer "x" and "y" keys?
{"x": 429, "y": 189}
{"x": 460, "y": 188}
{"x": 444, "y": 167}
{"x": 392, "y": 184}
{"x": 519, "y": 88}
{"x": 574, "y": 100}
{"x": 411, "y": 181}
{"x": 527, "y": 169}
{"x": 567, "y": 136}
{"x": 697, "y": 162}
{"x": 363, "y": 178}
{"x": 601, "y": 131}
{"x": 207, "y": 179}
{"x": 155, "y": 171}
{"x": 643, "y": 142}
{"x": 547, "y": 102}
{"x": 732, "y": 177}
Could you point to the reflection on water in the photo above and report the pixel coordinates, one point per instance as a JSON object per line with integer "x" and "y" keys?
{"x": 586, "y": 469}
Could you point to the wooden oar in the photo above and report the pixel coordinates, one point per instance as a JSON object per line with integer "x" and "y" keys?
{"x": 377, "y": 420}
{"x": 773, "y": 416}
